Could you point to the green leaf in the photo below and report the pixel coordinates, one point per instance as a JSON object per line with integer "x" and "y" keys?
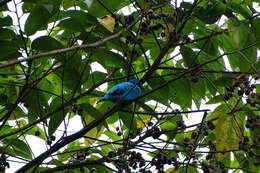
{"x": 256, "y": 29}
{"x": 211, "y": 12}
{"x": 16, "y": 113}
{"x": 90, "y": 114}
{"x": 209, "y": 46}
{"x": 35, "y": 101}
{"x": 129, "y": 120}
{"x": 170, "y": 123}
{"x": 6, "y": 34}
{"x": 243, "y": 36}
{"x": 7, "y": 48}
{"x": 257, "y": 88}
{"x": 6, "y": 129}
{"x": 81, "y": 16}
{"x": 109, "y": 59}
{"x": 70, "y": 76}
{"x": 97, "y": 10}
{"x": 189, "y": 169}
{"x": 38, "y": 132}
{"x": 19, "y": 147}
{"x": 37, "y": 19}
{"x": 240, "y": 32}
{"x": 56, "y": 162}
{"x": 198, "y": 91}
{"x": 180, "y": 92}
{"x": 57, "y": 117}
{"x": 188, "y": 55}
{"x": 6, "y": 21}
{"x": 95, "y": 78}
{"x": 245, "y": 161}
{"x": 46, "y": 43}
{"x": 225, "y": 80}
{"x": 90, "y": 110}
{"x": 75, "y": 71}
{"x": 161, "y": 95}
{"x": 226, "y": 42}
{"x": 248, "y": 56}
{"x": 112, "y": 135}
{"x": 72, "y": 24}
{"x": 215, "y": 99}
{"x": 240, "y": 8}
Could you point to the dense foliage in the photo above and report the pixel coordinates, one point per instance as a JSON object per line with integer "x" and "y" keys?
{"x": 188, "y": 55}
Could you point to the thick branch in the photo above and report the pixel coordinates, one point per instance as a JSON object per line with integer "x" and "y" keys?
{"x": 74, "y": 165}
{"x": 66, "y": 140}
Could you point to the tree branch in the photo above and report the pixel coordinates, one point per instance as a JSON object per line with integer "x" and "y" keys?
{"x": 66, "y": 140}
{"x": 74, "y": 165}
{"x": 165, "y": 113}
{"x": 73, "y": 48}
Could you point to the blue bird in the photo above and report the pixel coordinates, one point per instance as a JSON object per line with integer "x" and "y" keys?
{"x": 125, "y": 91}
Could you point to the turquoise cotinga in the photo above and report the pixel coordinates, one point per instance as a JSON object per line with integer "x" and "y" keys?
{"x": 125, "y": 91}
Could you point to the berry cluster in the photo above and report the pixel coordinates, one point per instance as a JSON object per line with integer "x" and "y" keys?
{"x": 160, "y": 160}
{"x": 154, "y": 132}
{"x": 50, "y": 140}
{"x": 180, "y": 123}
{"x": 128, "y": 161}
{"x": 151, "y": 22}
{"x": 243, "y": 87}
{"x": 3, "y": 163}
{"x": 136, "y": 160}
{"x": 215, "y": 166}
{"x": 253, "y": 122}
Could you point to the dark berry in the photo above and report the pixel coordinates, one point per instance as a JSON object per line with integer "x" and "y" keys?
{"x": 247, "y": 92}
{"x": 150, "y": 123}
{"x": 37, "y": 133}
{"x": 230, "y": 95}
{"x": 163, "y": 34}
{"x": 194, "y": 79}
{"x": 129, "y": 19}
{"x": 53, "y": 138}
{"x": 253, "y": 86}
{"x": 226, "y": 97}
{"x": 209, "y": 156}
{"x": 111, "y": 154}
{"x": 194, "y": 135}
{"x": 240, "y": 92}
{"x": 230, "y": 89}
{"x": 49, "y": 142}
{"x": 211, "y": 125}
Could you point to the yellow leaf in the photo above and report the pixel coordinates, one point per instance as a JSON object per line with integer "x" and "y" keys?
{"x": 228, "y": 135}
{"x": 170, "y": 170}
{"x": 228, "y": 130}
{"x": 108, "y": 23}
{"x": 142, "y": 123}
{"x": 169, "y": 28}
{"x": 93, "y": 133}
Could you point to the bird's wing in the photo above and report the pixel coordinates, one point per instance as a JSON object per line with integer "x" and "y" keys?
{"x": 120, "y": 89}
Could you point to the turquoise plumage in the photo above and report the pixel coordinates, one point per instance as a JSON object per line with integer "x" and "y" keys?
{"x": 125, "y": 91}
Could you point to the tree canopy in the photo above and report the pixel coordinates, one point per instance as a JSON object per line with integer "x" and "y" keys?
{"x": 59, "y": 57}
